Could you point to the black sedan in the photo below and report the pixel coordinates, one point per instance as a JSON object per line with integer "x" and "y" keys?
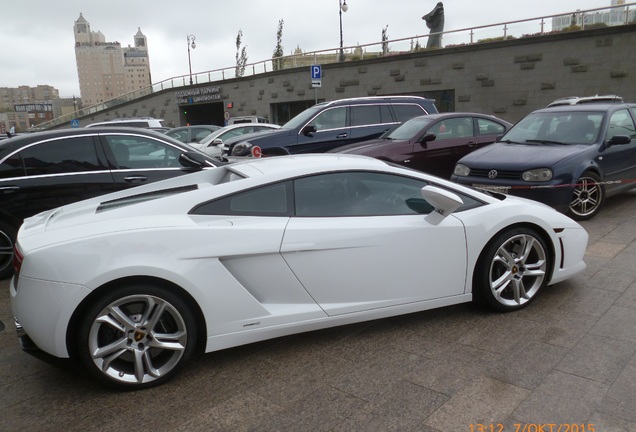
{"x": 432, "y": 143}
{"x": 569, "y": 157}
{"x": 44, "y": 170}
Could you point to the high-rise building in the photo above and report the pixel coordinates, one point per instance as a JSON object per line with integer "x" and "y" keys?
{"x": 11, "y": 96}
{"x": 616, "y": 16}
{"x": 105, "y": 69}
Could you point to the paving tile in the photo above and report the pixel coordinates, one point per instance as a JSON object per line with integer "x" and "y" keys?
{"x": 605, "y": 249}
{"x": 620, "y": 400}
{"x": 527, "y": 364}
{"x": 319, "y": 411}
{"x": 619, "y": 323}
{"x": 561, "y": 398}
{"x": 449, "y": 375}
{"x": 628, "y": 298}
{"x": 613, "y": 279}
{"x": 590, "y": 301}
{"x": 597, "y": 358}
{"x": 402, "y": 408}
{"x": 484, "y": 401}
{"x": 242, "y": 412}
{"x": 500, "y": 333}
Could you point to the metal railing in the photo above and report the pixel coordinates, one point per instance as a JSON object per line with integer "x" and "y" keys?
{"x": 579, "y": 20}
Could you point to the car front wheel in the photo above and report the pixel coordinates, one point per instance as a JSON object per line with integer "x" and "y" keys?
{"x": 512, "y": 269}
{"x": 588, "y": 197}
{"x": 136, "y": 336}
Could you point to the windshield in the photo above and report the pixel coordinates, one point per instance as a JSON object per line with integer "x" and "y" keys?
{"x": 408, "y": 129}
{"x": 303, "y": 117}
{"x": 560, "y": 127}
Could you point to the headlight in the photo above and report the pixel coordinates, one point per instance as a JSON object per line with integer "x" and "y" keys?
{"x": 461, "y": 170}
{"x": 537, "y": 175}
{"x": 241, "y": 149}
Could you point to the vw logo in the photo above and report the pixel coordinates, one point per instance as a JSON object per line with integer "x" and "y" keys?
{"x": 492, "y": 174}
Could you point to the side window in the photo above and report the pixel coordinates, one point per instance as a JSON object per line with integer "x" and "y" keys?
{"x": 453, "y": 128}
{"x": 12, "y": 167}
{"x": 403, "y": 112}
{"x": 333, "y": 118}
{"x": 271, "y": 200}
{"x": 136, "y": 152}
{"x": 370, "y": 114}
{"x": 488, "y": 127}
{"x": 358, "y": 194}
{"x": 621, "y": 123}
{"x": 61, "y": 156}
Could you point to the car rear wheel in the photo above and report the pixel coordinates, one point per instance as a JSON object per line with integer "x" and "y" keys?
{"x": 7, "y": 241}
{"x": 588, "y": 197}
{"x": 136, "y": 336}
{"x": 512, "y": 269}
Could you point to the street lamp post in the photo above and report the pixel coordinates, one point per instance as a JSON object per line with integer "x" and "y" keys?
{"x": 343, "y": 8}
{"x": 190, "y": 39}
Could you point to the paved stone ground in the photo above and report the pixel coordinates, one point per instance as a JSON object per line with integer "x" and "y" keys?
{"x": 568, "y": 359}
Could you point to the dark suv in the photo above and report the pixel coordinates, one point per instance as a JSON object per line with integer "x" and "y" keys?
{"x": 329, "y": 125}
{"x": 44, "y": 170}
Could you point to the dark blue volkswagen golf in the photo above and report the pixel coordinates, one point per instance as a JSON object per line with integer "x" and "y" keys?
{"x": 569, "y": 157}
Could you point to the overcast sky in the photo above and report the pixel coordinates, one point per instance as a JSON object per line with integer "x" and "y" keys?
{"x": 37, "y": 35}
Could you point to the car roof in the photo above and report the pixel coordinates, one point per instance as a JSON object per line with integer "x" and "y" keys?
{"x": 374, "y": 99}
{"x": 8, "y": 145}
{"x": 600, "y": 107}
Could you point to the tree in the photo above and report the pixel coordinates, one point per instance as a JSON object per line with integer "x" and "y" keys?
{"x": 241, "y": 55}
{"x": 385, "y": 38}
{"x": 277, "y": 62}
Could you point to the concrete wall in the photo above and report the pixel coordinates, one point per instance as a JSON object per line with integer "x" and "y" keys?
{"x": 506, "y": 78}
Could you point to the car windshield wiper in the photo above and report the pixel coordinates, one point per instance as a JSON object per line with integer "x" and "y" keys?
{"x": 510, "y": 142}
{"x": 545, "y": 142}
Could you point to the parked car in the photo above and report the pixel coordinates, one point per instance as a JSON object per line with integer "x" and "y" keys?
{"x": 571, "y": 157}
{"x": 212, "y": 144}
{"x": 246, "y": 119}
{"x": 328, "y": 125}
{"x": 133, "y": 283}
{"x": 432, "y": 143}
{"x": 576, "y": 100}
{"x": 140, "y": 122}
{"x": 43, "y": 170}
{"x": 192, "y": 134}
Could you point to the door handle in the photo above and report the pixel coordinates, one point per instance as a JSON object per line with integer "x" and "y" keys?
{"x": 135, "y": 179}
{"x": 342, "y": 135}
{"x": 472, "y": 144}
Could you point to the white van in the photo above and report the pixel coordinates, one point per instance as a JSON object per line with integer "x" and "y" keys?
{"x": 142, "y": 122}
{"x": 246, "y": 119}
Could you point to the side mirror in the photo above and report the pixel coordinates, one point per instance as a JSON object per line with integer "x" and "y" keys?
{"x": 217, "y": 141}
{"x": 619, "y": 140}
{"x": 309, "y": 130}
{"x": 193, "y": 160}
{"x": 427, "y": 137}
{"x": 443, "y": 201}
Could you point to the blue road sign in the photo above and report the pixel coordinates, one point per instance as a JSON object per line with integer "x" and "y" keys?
{"x": 316, "y": 72}
{"x": 74, "y": 123}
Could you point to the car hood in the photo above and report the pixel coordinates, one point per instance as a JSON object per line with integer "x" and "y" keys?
{"x": 521, "y": 155}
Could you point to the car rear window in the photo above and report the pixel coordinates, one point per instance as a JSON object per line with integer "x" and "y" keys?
{"x": 68, "y": 155}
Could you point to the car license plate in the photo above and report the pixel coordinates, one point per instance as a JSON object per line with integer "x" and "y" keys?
{"x": 492, "y": 188}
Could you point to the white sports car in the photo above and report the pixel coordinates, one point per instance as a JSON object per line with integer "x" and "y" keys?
{"x": 134, "y": 282}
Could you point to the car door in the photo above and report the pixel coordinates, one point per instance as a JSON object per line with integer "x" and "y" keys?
{"x": 331, "y": 131}
{"x": 619, "y": 161}
{"x": 138, "y": 159}
{"x": 355, "y": 244}
{"x": 454, "y": 137}
{"x": 52, "y": 173}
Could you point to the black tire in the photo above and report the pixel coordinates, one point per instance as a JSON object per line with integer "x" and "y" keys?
{"x": 512, "y": 269}
{"x": 588, "y": 197}
{"x": 8, "y": 234}
{"x": 136, "y": 336}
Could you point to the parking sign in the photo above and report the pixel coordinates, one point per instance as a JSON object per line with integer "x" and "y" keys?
{"x": 316, "y": 75}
